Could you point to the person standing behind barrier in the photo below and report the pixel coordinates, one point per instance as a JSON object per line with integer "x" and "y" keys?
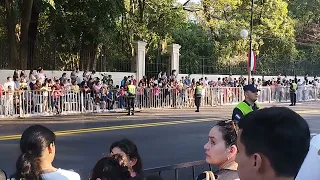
{"x": 293, "y": 95}
{"x": 197, "y": 95}
{"x": 37, "y": 145}
{"x": 56, "y": 94}
{"x": 249, "y": 104}
{"x": 131, "y": 95}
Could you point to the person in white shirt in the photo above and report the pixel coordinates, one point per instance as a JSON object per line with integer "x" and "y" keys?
{"x": 38, "y": 149}
{"x": 311, "y": 165}
{"x": 41, "y": 76}
{"x": 9, "y": 83}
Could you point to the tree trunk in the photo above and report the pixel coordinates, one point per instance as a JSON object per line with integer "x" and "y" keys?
{"x": 82, "y": 57}
{"x": 104, "y": 59}
{"x": 89, "y": 56}
{"x": 32, "y": 34}
{"x": 96, "y": 57}
{"x": 11, "y": 26}
{"x": 24, "y": 39}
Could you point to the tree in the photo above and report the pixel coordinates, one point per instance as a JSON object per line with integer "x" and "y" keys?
{"x": 23, "y": 21}
{"x": 272, "y": 24}
{"x": 196, "y": 47}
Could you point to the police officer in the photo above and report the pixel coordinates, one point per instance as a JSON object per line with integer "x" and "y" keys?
{"x": 249, "y": 104}
{"x": 293, "y": 95}
{"x": 131, "y": 95}
{"x": 197, "y": 95}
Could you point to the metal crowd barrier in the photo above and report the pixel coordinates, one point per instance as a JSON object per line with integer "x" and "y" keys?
{"x": 47, "y": 103}
{"x": 176, "y": 169}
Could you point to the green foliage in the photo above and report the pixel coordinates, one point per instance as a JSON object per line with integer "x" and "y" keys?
{"x": 196, "y": 45}
{"x": 80, "y": 32}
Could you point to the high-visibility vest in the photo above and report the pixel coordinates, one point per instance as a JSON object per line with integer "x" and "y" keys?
{"x": 131, "y": 89}
{"x": 245, "y": 108}
{"x": 199, "y": 90}
{"x": 294, "y": 87}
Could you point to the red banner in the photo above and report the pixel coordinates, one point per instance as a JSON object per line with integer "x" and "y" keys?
{"x": 252, "y": 63}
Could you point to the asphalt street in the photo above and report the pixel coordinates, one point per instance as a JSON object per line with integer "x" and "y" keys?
{"x": 163, "y": 137}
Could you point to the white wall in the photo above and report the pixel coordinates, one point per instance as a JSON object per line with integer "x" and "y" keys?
{"x": 116, "y": 76}
{"x": 215, "y": 77}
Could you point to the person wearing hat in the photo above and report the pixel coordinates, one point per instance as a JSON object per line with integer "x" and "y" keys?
{"x": 249, "y": 104}
{"x": 131, "y": 95}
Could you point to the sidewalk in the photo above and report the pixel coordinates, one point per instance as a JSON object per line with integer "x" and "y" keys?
{"x": 221, "y": 111}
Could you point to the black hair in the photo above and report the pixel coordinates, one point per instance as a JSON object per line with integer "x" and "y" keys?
{"x": 33, "y": 142}
{"x": 131, "y": 150}
{"x": 110, "y": 168}
{"x": 278, "y": 133}
{"x": 229, "y": 130}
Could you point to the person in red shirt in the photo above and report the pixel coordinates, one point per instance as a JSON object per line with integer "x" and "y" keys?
{"x": 1, "y": 91}
{"x": 133, "y": 80}
{"x": 56, "y": 93}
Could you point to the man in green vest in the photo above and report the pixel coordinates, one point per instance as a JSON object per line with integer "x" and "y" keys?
{"x": 197, "y": 95}
{"x": 293, "y": 95}
{"x": 249, "y": 104}
{"x": 131, "y": 95}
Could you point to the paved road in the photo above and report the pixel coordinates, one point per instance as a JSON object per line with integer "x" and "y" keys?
{"x": 163, "y": 136}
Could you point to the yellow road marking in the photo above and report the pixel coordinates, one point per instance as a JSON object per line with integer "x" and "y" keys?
{"x": 308, "y": 112}
{"x": 110, "y": 128}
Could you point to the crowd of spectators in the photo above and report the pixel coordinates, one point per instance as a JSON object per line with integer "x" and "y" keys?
{"x": 101, "y": 91}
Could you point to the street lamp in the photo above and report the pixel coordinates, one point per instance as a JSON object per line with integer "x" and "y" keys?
{"x": 244, "y": 34}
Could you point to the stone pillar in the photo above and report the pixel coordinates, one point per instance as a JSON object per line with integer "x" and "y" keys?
{"x": 174, "y": 51}
{"x": 139, "y": 61}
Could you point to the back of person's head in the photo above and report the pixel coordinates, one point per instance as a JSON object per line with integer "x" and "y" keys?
{"x": 131, "y": 150}
{"x": 272, "y": 139}
{"x": 110, "y": 168}
{"x": 33, "y": 143}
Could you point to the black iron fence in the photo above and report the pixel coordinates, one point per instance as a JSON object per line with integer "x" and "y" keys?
{"x": 264, "y": 67}
{"x": 52, "y": 56}
{"x": 177, "y": 168}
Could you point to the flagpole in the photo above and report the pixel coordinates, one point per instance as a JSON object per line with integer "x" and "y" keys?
{"x": 251, "y": 31}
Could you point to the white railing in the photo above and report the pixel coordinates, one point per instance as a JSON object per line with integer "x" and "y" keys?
{"x": 46, "y": 103}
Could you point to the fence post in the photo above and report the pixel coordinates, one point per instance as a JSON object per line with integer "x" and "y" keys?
{"x": 81, "y": 102}
{"x": 221, "y": 96}
{"x": 269, "y": 94}
{"x": 315, "y": 93}
{"x": 20, "y": 104}
{"x": 212, "y": 96}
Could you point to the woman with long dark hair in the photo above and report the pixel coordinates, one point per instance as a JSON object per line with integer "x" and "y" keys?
{"x": 37, "y": 146}
{"x": 129, "y": 151}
